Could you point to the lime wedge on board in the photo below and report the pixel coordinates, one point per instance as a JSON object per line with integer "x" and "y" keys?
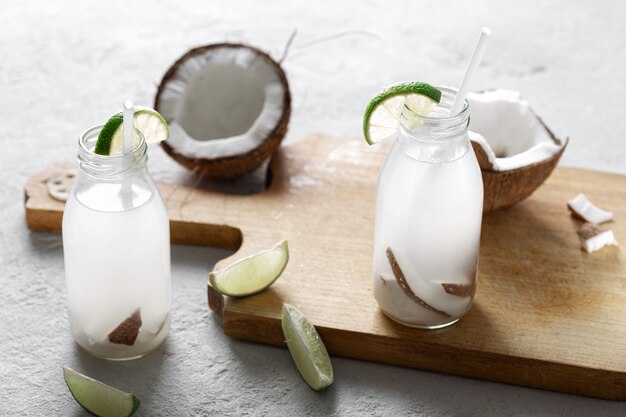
{"x": 253, "y": 274}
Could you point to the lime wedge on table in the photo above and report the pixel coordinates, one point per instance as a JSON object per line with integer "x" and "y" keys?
{"x": 306, "y": 348}
{"x": 100, "y": 399}
{"x": 382, "y": 114}
{"x": 252, "y": 274}
{"x": 149, "y": 122}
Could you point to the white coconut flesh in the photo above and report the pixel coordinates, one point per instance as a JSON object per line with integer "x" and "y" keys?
{"x": 508, "y": 131}
{"x": 588, "y": 211}
{"x": 222, "y": 102}
{"x": 593, "y": 238}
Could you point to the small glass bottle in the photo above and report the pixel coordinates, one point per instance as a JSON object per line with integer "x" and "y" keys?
{"x": 428, "y": 219}
{"x": 116, "y": 244}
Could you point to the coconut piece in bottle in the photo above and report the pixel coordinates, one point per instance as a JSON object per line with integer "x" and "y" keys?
{"x": 429, "y": 220}
{"x": 126, "y": 332}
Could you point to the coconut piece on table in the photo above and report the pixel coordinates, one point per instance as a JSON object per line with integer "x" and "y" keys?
{"x": 227, "y": 105}
{"x": 507, "y": 129}
{"x": 593, "y": 238}
{"x": 583, "y": 209}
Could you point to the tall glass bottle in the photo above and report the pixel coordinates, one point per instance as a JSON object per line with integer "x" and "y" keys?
{"x": 117, "y": 254}
{"x": 428, "y": 219}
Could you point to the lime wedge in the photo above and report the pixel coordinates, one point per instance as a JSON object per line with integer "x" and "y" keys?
{"x": 382, "y": 114}
{"x": 253, "y": 274}
{"x": 306, "y": 348}
{"x": 98, "y": 398}
{"x": 103, "y": 144}
{"x": 149, "y": 122}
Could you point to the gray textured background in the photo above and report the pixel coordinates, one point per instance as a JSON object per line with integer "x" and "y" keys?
{"x": 65, "y": 66}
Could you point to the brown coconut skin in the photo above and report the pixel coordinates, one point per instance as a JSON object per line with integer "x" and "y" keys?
{"x": 236, "y": 165}
{"x": 505, "y": 188}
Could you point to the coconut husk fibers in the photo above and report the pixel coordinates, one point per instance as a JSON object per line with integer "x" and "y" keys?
{"x": 505, "y": 188}
{"x": 236, "y": 165}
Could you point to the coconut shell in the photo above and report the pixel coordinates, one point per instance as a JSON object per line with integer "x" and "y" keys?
{"x": 236, "y": 165}
{"x": 506, "y": 188}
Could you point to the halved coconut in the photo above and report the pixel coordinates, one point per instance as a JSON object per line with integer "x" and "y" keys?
{"x": 515, "y": 149}
{"x": 228, "y": 106}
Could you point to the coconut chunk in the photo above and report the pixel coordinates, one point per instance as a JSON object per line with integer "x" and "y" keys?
{"x": 593, "y": 238}
{"x": 582, "y": 208}
{"x": 127, "y": 331}
{"x": 430, "y": 292}
{"x": 397, "y": 272}
{"x": 509, "y": 132}
{"x": 394, "y": 301}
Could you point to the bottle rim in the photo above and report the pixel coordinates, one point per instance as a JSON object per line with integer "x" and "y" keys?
{"x": 109, "y": 166}
{"x": 89, "y": 133}
{"x": 448, "y": 95}
{"x": 436, "y": 128}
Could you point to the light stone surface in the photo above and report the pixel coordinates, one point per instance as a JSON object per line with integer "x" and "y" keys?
{"x": 66, "y": 66}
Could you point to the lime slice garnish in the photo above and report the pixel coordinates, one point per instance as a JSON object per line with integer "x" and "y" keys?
{"x": 252, "y": 274}
{"x": 100, "y": 399}
{"x": 382, "y": 114}
{"x": 306, "y": 348}
{"x": 149, "y": 122}
{"x": 103, "y": 144}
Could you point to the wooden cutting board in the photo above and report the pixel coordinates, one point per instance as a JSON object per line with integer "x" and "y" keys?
{"x": 546, "y": 314}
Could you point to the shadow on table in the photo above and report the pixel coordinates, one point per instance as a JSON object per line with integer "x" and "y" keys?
{"x": 46, "y": 244}
{"x": 360, "y": 387}
{"x": 201, "y": 258}
{"x": 273, "y": 368}
{"x": 124, "y": 375}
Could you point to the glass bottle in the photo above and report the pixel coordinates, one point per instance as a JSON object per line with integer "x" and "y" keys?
{"x": 117, "y": 254}
{"x": 428, "y": 219}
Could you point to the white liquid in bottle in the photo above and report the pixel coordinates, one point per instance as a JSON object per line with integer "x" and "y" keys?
{"x": 428, "y": 220}
{"x": 117, "y": 263}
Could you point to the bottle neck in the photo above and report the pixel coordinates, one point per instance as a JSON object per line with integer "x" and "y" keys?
{"x": 437, "y": 137}
{"x": 110, "y": 167}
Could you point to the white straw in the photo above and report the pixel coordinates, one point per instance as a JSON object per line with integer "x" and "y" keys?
{"x": 128, "y": 125}
{"x": 477, "y": 56}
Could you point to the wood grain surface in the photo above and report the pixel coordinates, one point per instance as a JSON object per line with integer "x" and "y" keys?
{"x": 546, "y": 314}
